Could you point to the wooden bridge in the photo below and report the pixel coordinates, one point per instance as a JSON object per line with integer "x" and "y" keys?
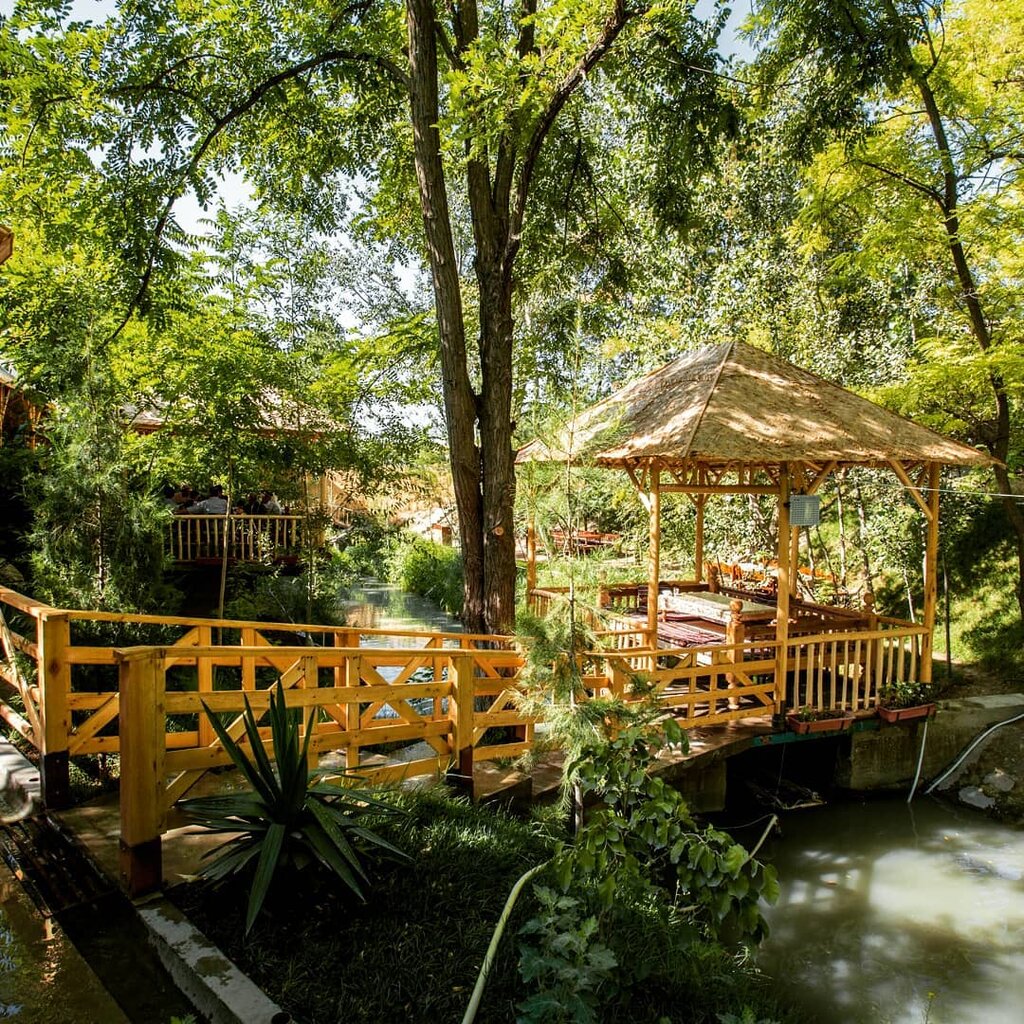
{"x": 69, "y": 693}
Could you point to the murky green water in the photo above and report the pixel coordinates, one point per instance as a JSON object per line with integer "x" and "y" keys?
{"x": 897, "y": 915}
{"x": 375, "y": 605}
{"x": 43, "y": 980}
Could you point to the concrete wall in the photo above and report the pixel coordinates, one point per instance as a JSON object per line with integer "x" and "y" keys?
{"x": 887, "y": 759}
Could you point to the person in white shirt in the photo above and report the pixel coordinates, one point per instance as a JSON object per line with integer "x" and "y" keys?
{"x": 271, "y": 506}
{"x": 215, "y": 505}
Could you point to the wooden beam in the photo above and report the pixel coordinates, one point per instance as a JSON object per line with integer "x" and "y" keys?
{"x": 719, "y": 489}
{"x": 915, "y": 493}
{"x": 931, "y": 572}
{"x": 639, "y": 484}
{"x": 821, "y": 477}
{"x": 698, "y": 539}
{"x": 782, "y": 604}
{"x": 654, "y": 554}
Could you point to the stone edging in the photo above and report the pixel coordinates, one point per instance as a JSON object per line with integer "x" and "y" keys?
{"x": 217, "y": 988}
{"x": 19, "y": 782}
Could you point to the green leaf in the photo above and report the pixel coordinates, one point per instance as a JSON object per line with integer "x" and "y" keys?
{"x": 269, "y": 854}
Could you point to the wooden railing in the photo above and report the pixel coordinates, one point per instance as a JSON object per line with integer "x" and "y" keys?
{"x": 199, "y": 538}
{"x": 69, "y": 693}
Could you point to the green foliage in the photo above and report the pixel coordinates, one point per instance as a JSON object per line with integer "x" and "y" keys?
{"x": 366, "y": 547}
{"x": 292, "y": 817}
{"x": 432, "y": 570}
{"x": 439, "y": 909}
{"x": 564, "y": 960}
{"x": 313, "y": 596}
{"x": 905, "y": 694}
{"x": 97, "y": 532}
{"x": 638, "y": 863}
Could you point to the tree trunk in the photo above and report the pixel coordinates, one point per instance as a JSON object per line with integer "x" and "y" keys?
{"x": 459, "y": 398}
{"x": 497, "y": 455}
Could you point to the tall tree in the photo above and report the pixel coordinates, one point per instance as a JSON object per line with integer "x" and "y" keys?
{"x": 925, "y": 181}
{"x": 469, "y": 106}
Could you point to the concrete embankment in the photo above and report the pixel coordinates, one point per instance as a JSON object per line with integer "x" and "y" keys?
{"x": 991, "y": 777}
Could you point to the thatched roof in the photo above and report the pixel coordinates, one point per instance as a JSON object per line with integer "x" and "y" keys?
{"x": 6, "y": 243}
{"x": 733, "y": 405}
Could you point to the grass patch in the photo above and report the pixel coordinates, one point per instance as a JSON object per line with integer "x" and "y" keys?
{"x": 413, "y": 951}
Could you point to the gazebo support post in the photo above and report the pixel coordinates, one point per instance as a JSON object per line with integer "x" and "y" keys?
{"x": 698, "y": 539}
{"x": 531, "y": 558}
{"x": 931, "y": 571}
{"x": 655, "y": 555}
{"x": 794, "y": 561}
{"x": 782, "y": 606}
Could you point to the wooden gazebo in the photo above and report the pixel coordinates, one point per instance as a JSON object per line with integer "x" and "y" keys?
{"x": 733, "y": 419}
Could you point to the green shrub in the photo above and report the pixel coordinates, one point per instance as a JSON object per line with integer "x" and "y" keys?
{"x": 432, "y": 570}
{"x": 291, "y": 817}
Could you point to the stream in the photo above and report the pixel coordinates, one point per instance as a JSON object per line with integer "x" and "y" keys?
{"x": 892, "y": 914}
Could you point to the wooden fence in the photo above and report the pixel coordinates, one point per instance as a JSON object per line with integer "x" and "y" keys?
{"x": 70, "y": 689}
{"x": 200, "y": 538}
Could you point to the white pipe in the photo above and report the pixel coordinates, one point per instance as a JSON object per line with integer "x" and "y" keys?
{"x": 963, "y": 756}
{"x": 920, "y": 761}
{"x": 492, "y": 949}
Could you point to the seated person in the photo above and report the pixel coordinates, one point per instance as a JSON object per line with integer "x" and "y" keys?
{"x": 215, "y": 505}
{"x": 271, "y": 506}
{"x": 253, "y": 506}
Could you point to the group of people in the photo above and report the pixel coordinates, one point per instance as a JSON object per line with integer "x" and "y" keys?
{"x": 185, "y": 501}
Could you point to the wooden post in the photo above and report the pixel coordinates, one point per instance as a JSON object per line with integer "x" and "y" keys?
{"x": 782, "y": 606}
{"x": 931, "y": 572}
{"x": 794, "y": 562}
{"x": 55, "y": 684}
{"x": 531, "y": 559}
{"x": 698, "y": 540}
{"x": 204, "y": 672}
{"x": 872, "y": 657}
{"x": 655, "y": 557}
{"x": 248, "y": 662}
{"x": 350, "y": 709}
{"x": 143, "y": 794}
{"x": 734, "y": 634}
{"x": 460, "y": 713}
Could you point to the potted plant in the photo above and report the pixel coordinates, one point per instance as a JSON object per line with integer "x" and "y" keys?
{"x": 901, "y": 701}
{"x": 808, "y": 719}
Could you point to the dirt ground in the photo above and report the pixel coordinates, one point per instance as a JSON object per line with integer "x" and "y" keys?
{"x": 993, "y": 776}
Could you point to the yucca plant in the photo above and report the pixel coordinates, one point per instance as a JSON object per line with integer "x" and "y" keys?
{"x": 292, "y": 817}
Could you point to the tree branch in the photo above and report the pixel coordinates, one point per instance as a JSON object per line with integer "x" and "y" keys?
{"x": 219, "y": 125}
{"x": 573, "y": 80}
{"x": 926, "y": 190}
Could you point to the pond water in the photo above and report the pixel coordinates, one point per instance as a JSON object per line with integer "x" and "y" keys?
{"x": 375, "y": 605}
{"x": 43, "y": 980}
{"x": 892, "y": 914}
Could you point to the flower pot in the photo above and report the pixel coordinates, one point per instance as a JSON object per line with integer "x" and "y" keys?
{"x": 819, "y": 724}
{"x": 905, "y": 714}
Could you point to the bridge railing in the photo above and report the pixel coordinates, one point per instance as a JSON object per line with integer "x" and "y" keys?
{"x": 197, "y": 538}
{"x": 69, "y": 689}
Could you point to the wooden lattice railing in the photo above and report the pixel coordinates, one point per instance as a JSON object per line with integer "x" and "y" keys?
{"x": 67, "y": 691}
